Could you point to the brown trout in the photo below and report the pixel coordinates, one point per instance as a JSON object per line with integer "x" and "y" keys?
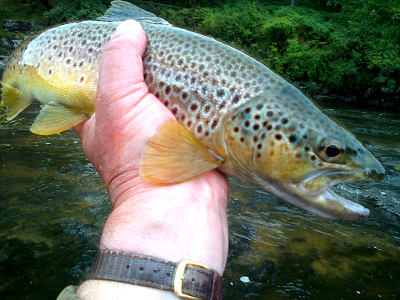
{"x": 233, "y": 112}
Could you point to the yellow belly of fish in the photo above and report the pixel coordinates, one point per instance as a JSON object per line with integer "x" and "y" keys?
{"x": 68, "y": 97}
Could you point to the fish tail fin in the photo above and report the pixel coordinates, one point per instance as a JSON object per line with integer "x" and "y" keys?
{"x": 122, "y": 10}
{"x": 14, "y": 100}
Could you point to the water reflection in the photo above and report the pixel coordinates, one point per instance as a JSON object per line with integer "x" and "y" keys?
{"x": 53, "y": 205}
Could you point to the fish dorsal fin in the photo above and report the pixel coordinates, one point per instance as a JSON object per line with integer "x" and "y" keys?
{"x": 53, "y": 119}
{"x": 122, "y": 10}
{"x": 175, "y": 155}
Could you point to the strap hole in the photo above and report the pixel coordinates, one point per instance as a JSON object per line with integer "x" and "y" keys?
{"x": 193, "y": 279}
{"x": 168, "y": 274}
{"x": 127, "y": 266}
{"x": 141, "y": 268}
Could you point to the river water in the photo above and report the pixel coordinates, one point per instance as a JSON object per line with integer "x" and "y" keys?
{"x": 53, "y": 206}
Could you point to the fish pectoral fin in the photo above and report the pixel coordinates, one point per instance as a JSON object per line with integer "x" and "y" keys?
{"x": 53, "y": 119}
{"x": 14, "y": 101}
{"x": 175, "y": 155}
{"x": 122, "y": 10}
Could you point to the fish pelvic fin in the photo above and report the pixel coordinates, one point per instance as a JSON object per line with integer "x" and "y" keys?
{"x": 122, "y": 10}
{"x": 174, "y": 155}
{"x": 53, "y": 119}
{"x": 14, "y": 100}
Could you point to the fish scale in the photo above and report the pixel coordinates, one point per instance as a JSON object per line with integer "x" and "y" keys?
{"x": 234, "y": 113}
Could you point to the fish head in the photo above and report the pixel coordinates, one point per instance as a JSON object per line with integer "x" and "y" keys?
{"x": 283, "y": 143}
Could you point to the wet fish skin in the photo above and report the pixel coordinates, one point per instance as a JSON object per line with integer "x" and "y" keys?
{"x": 258, "y": 127}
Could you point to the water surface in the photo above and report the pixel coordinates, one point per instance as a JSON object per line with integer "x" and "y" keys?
{"x": 53, "y": 206}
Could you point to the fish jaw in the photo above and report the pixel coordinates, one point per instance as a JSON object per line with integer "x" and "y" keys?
{"x": 327, "y": 204}
{"x": 314, "y": 193}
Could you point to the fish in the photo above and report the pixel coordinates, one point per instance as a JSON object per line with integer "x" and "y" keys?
{"x": 232, "y": 113}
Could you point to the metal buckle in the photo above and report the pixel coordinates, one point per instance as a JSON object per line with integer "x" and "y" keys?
{"x": 179, "y": 276}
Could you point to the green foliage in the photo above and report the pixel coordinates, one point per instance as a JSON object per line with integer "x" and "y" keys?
{"x": 71, "y": 10}
{"x": 24, "y": 10}
{"x": 339, "y": 46}
{"x": 397, "y": 167}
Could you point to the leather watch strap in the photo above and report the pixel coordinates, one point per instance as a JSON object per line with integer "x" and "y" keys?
{"x": 187, "y": 279}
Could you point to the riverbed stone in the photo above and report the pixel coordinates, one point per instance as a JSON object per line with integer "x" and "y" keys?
{"x": 3, "y": 62}
{"x": 18, "y": 26}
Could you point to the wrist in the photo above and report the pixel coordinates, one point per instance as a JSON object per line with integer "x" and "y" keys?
{"x": 174, "y": 222}
{"x": 102, "y": 289}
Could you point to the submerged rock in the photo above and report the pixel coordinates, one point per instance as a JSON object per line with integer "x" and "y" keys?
{"x": 18, "y": 26}
{"x": 3, "y": 62}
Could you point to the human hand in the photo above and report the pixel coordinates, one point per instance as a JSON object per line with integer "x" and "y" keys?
{"x": 172, "y": 222}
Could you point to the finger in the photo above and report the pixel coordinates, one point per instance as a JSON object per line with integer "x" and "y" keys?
{"x": 78, "y": 129}
{"x": 121, "y": 71}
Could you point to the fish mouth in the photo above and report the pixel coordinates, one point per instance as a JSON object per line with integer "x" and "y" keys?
{"x": 324, "y": 201}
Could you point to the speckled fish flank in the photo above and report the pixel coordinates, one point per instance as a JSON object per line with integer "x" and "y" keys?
{"x": 232, "y": 112}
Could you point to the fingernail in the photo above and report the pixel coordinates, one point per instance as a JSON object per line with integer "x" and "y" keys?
{"x": 126, "y": 28}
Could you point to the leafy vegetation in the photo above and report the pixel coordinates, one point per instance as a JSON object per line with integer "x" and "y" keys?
{"x": 341, "y": 47}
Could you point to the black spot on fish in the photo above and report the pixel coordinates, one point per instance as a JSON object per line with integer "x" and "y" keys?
{"x": 236, "y": 99}
{"x": 214, "y": 124}
{"x": 193, "y": 107}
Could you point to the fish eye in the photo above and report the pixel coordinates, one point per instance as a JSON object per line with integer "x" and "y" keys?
{"x": 330, "y": 151}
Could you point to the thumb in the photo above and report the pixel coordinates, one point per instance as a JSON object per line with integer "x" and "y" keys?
{"x": 121, "y": 67}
